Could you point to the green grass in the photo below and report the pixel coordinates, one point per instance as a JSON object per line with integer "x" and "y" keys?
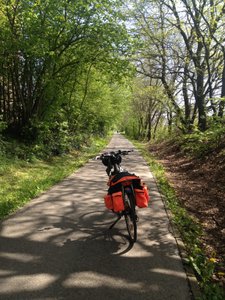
{"x": 190, "y": 230}
{"x": 20, "y": 180}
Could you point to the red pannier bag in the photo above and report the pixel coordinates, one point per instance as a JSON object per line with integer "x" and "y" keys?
{"x": 114, "y": 201}
{"x": 142, "y": 197}
{"x": 108, "y": 201}
{"x": 145, "y": 188}
{"x": 118, "y": 203}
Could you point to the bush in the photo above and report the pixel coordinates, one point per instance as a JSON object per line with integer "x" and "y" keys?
{"x": 2, "y": 142}
{"x": 200, "y": 144}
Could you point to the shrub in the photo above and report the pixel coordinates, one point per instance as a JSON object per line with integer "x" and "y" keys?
{"x": 200, "y": 144}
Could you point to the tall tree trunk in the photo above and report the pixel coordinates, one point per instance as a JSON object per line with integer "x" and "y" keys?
{"x": 170, "y": 120}
{"x": 200, "y": 99}
{"x": 186, "y": 101}
{"x": 149, "y": 134}
{"x": 156, "y": 124}
{"x": 222, "y": 103}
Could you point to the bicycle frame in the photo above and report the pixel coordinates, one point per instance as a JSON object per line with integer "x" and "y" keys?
{"x": 113, "y": 160}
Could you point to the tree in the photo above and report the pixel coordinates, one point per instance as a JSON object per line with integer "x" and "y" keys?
{"x": 147, "y": 106}
{"x": 182, "y": 47}
{"x": 48, "y": 48}
{"x": 159, "y": 57}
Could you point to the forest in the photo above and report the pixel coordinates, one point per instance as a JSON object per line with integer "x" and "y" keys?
{"x": 73, "y": 71}
{"x": 62, "y": 65}
{"x": 75, "y": 68}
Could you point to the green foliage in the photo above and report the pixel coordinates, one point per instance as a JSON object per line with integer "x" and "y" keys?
{"x": 52, "y": 137}
{"x": 98, "y": 108}
{"x": 200, "y": 144}
{"x": 2, "y": 144}
{"x": 2, "y": 126}
{"x": 57, "y": 51}
{"x": 64, "y": 67}
{"x": 21, "y": 180}
{"x": 143, "y": 113}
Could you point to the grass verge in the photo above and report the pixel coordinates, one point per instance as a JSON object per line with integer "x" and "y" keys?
{"x": 190, "y": 231}
{"x": 21, "y": 180}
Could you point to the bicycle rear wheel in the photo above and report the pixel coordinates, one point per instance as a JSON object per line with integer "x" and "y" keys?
{"x": 131, "y": 227}
{"x": 131, "y": 218}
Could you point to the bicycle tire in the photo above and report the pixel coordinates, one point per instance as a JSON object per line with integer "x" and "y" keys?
{"x": 130, "y": 219}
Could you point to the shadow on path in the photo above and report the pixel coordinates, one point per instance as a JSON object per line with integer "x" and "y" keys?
{"x": 59, "y": 247}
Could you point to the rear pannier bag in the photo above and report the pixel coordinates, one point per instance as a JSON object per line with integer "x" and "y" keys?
{"x": 108, "y": 201}
{"x": 117, "y": 199}
{"x": 114, "y": 198}
{"x": 145, "y": 188}
{"x": 142, "y": 197}
{"x": 114, "y": 201}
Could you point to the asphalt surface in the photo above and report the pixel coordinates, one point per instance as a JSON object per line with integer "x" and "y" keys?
{"x": 59, "y": 246}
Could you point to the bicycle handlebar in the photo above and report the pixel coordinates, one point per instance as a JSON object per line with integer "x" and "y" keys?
{"x": 113, "y": 153}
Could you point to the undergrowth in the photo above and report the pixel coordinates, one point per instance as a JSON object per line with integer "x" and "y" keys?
{"x": 190, "y": 231}
{"x": 200, "y": 144}
{"x": 23, "y": 179}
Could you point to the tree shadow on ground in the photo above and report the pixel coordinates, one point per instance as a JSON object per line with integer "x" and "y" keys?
{"x": 59, "y": 247}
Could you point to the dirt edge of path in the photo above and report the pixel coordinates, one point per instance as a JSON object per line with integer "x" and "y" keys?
{"x": 200, "y": 187}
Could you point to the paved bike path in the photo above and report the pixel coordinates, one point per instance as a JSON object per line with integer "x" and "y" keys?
{"x": 58, "y": 246}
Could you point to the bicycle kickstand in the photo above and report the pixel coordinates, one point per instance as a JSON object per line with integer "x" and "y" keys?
{"x": 114, "y": 223}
